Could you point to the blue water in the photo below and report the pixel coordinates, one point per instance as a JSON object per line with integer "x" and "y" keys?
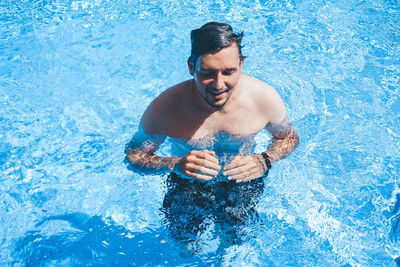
{"x": 75, "y": 77}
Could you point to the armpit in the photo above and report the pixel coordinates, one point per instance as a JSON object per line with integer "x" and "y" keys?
{"x": 281, "y": 129}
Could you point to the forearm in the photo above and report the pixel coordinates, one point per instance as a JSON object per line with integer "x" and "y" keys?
{"x": 150, "y": 161}
{"x": 281, "y": 148}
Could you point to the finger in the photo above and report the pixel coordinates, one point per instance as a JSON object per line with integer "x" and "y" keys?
{"x": 239, "y": 176}
{"x": 210, "y": 152}
{"x": 211, "y": 158}
{"x": 205, "y": 163}
{"x": 246, "y": 179}
{"x": 234, "y": 163}
{"x": 238, "y": 170}
{"x": 199, "y": 176}
{"x": 236, "y": 158}
{"x": 243, "y": 180}
{"x": 239, "y": 161}
{"x": 202, "y": 169}
{"x": 242, "y": 166}
{"x": 245, "y": 174}
{"x": 204, "y": 160}
{"x": 206, "y": 154}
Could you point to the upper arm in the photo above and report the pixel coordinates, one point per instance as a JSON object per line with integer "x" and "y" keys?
{"x": 160, "y": 113}
{"x": 272, "y": 106}
{"x": 151, "y": 118}
{"x": 278, "y": 125}
{"x": 149, "y": 135}
{"x": 268, "y": 102}
{"x": 280, "y": 130}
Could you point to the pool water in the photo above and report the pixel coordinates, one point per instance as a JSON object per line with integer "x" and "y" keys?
{"x": 75, "y": 77}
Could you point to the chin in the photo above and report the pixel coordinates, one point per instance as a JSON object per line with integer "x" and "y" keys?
{"x": 217, "y": 105}
{"x": 220, "y": 103}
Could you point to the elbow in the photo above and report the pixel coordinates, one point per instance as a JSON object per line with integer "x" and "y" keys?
{"x": 296, "y": 138}
{"x": 129, "y": 150}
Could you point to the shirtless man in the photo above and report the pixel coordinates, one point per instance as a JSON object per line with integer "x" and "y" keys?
{"x": 218, "y": 99}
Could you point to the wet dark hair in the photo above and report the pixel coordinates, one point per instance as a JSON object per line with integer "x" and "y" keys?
{"x": 211, "y": 38}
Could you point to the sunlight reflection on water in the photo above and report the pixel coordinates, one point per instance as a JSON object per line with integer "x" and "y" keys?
{"x": 76, "y": 76}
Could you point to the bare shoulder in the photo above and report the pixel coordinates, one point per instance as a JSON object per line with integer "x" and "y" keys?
{"x": 156, "y": 118}
{"x": 265, "y": 98}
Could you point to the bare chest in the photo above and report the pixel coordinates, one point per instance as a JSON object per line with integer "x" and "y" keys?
{"x": 238, "y": 122}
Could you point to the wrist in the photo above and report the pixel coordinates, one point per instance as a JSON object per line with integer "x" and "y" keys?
{"x": 174, "y": 163}
{"x": 262, "y": 166}
{"x": 267, "y": 160}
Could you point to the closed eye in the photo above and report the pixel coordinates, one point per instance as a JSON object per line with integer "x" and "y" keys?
{"x": 207, "y": 73}
{"x": 211, "y": 73}
{"x": 229, "y": 72}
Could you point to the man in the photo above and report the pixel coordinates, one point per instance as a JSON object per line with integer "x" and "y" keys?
{"x": 219, "y": 99}
{"x": 212, "y": 120}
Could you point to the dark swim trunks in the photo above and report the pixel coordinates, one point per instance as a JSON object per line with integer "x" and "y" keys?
{"x": 191, "y": 205}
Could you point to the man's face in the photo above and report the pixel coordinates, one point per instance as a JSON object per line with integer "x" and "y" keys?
{"x": 216, "y": 75}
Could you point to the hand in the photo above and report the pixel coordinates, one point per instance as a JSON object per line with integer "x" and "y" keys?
{"x": 245, "y": 168}
{"x": 200, "y": 164}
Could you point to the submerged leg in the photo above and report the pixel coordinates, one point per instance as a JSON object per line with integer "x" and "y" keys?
{"x": 186, "y": 207}
{"x": 237, "y": 206}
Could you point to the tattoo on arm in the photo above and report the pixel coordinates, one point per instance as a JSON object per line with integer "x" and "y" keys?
{"x": 140, "y": 152}
{"x": 144, "y": 157}
{"x": 150, "y": 161}
{"x": 284, "y": 142}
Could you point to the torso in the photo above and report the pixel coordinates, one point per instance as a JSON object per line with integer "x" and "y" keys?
{"x": 177, "y": 116}
{"x": 221, "y": 143}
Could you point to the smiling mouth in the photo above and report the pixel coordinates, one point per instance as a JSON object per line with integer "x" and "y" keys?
{"x": 217, "y": 93}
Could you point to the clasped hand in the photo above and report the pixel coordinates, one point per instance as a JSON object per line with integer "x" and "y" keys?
{"x": 204, "y": 165}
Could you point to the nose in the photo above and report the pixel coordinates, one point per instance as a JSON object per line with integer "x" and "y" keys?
{"x": 218, "y": 81}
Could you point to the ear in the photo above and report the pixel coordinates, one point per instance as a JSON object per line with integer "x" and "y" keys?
{"x": 241, "y": 63}
{"x": 190, "y": 66}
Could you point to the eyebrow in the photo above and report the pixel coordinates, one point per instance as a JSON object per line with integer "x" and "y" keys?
{"x": 230, "y": 69}
{"x": 212, "y": 70}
